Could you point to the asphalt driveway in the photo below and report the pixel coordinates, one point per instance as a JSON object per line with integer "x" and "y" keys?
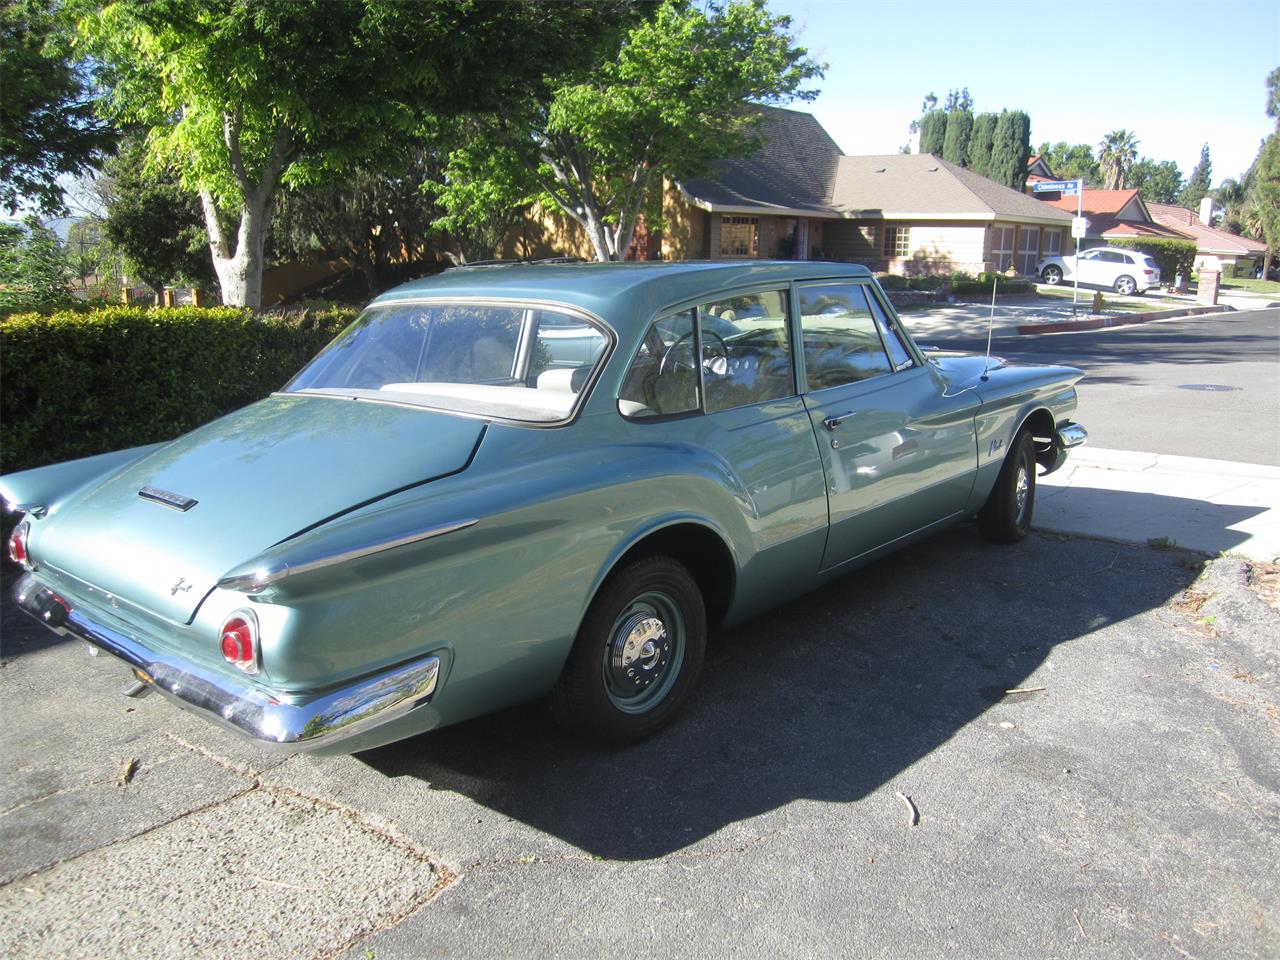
{"x": 1127, "y": 804}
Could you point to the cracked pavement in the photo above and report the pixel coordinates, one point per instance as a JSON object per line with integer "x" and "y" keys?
{"x": 1128, "y": 803}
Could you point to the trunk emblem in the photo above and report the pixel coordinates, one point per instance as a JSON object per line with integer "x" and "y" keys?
{"x": 180, "y": 587}
{"x": 175, "y": 500}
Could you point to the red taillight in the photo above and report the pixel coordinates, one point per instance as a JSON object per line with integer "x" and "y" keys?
{"x": 240, "y": 640}
{"x": 18, "y": 545}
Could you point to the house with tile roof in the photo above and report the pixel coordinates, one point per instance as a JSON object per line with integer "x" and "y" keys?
{"x": 800, "y": 197}
{"x": 1216, "y": 249}
{"x": 1111, "y": 214}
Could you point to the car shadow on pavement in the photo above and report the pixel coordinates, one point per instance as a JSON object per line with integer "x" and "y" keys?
{"x": 828, "y": 698}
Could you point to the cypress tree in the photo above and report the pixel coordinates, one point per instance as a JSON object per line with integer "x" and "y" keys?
{"x": 1004, "y": 150}
{"x": 980, "y": 142}
{"x": 1198, "y": 183}
{"x": 1022, "y": 149}
{"x": 955, "y": 147}
{"x": 933, "y": 132}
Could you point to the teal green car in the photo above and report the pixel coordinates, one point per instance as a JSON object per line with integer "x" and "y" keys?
{"x": 522, "y": 481}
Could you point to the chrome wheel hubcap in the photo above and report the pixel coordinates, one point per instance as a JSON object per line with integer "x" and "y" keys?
{"x": 1022, "y": 490}
{"x": 643, "y": 653}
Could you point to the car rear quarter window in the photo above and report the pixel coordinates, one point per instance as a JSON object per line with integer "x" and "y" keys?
{"x": 841, "y": 342}
{"x": 662, "y": 380}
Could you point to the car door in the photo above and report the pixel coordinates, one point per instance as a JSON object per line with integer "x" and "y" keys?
{"x": 1089, "y": 266}
{"x": 898, "y": 451}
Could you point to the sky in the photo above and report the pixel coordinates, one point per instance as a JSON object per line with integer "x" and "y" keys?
{"x": 1177, "y": 74}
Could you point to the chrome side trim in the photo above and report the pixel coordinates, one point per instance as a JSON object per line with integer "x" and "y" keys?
{"x": 1072, "y": 435}
{"x": 293, "y": 722}
{"x": 260, "y": 579}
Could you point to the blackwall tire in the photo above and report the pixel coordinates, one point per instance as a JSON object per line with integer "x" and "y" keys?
{"x": 637, "y": 655}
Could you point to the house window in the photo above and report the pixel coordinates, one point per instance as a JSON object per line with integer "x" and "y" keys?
{"x": 897, "y": 241}
{"x": 1028, "y": 251}
{"x": 739, "y": 236}
{"x": 1002, "y": 247}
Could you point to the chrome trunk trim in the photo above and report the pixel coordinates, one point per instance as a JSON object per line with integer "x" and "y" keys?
{"x": 1072, "y": 435}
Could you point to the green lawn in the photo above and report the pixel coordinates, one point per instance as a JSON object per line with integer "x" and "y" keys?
{"x": 1252, "y": 286}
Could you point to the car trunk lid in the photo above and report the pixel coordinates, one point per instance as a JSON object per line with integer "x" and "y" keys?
{"x": 161, "y": 531}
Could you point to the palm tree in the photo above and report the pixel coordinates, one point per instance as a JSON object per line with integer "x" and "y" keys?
{"x": 1116, "y": 154}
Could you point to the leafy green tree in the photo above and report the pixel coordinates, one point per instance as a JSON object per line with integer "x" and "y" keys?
{"x": 1116, "y": 155}
{"x": 676, "y": 94}
{"x": 91, "y": 254}
{"x": 1072, "y": 161}
{"x": 240, "y": 97}
{"x": 377, "y": 217}
{"x": 981, "y": 141}
{"x": 1273, "y": 95}
{"x": 155, "y": 224}
{"x": 955, "y": 148}
{"x": 1267, "y": 186}
{"x": 958, "y": 101}
{"x": 1199, "y": 183}
{"x": 1010, "y": 150}
{"x": 48, "y": 129}
{"x": 1156, "y": 182}
{"x": 933, "y": 132}
{"x": 33, "y": 266}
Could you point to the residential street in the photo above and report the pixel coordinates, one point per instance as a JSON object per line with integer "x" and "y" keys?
{"x": 1126, "y": 803}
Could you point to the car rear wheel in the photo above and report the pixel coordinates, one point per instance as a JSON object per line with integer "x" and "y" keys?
{"x": 637, "y": 655}
{"x": 1052, "y": 275}
{"x": 1006, "y": 516}
{"x": 1126, "y": 286}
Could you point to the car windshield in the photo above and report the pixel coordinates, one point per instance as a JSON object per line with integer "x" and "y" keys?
{"x": 506, "y": 361}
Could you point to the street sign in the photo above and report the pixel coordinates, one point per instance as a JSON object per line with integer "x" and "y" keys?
{"x": 1068, "y": 188}
{"x": 1078, "y": 227}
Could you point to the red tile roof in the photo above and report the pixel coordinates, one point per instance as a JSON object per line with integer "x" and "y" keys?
{"x": 1097, "y": 202}
{"x": 1208, "y": 239}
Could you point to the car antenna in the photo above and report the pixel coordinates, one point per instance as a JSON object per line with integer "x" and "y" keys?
{"x": 991, "y": 320}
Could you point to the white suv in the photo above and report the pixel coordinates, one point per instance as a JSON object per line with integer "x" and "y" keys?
{"x": 1124, "y": 271}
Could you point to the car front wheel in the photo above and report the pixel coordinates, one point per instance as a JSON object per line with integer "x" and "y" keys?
{"x": 1052, "y": 275}
{"x": 1006, "y": 516}
{"x": 1126, "y": 286}
{"x": 637, "y": 655}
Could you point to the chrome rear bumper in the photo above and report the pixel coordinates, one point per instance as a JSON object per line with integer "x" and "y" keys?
{"x": 290, "y": 721}
{"x": 1064, "y": 439}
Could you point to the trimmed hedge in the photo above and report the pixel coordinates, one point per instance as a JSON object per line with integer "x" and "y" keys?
{"x": 1173, "y": 256}
{"x": 982, "y": 284}
{"x": 74, "y": 383}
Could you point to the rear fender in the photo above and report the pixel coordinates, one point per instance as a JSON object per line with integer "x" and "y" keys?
{"x": 39, "y": 490}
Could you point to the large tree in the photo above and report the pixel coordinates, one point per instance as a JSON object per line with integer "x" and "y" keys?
{"x": 933, "y": 132}
{"x": 981, "y": 142}
{"x": 1010, "y": 150}
{"x": 154, "y": 223}
{"x": 955, "y": 148}
{"x": 1156, "y": 182}
{"x": 1072, "y": 161}
{"x": 1116, "y": 155}
{"x": 48, "y": 128}
{"x": 678, "y": 93}
{"x": 1199, "y": 183}
{"x": 241, "y": 97}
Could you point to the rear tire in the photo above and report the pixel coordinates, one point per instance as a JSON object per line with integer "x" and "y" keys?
{"x": 637, "y": 655}
{"x": 1006, "y": 516}
{"x": 1126, "y": 286}
{"x": 1052, "y": 275}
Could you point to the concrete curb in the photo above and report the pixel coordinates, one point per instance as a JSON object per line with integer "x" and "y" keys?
{"x": 1120, "y": 320}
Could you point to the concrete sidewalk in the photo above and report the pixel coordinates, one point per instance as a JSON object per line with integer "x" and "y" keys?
{"x": 1212, "y": 506}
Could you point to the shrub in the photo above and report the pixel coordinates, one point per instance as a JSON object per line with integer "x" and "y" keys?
{"x": 77, "y": 383}
{"x": 1172, "y": 256}
{"x": 982, "y": 284}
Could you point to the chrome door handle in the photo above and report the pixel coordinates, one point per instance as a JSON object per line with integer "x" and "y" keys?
{"x": 832, "y": 422}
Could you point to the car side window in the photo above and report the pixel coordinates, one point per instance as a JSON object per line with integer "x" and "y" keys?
{"x": 746, "y": 350}
{"x": 841, "y": 343}
{"x": 663, "y": 380}
{"x": 898, "y": 351}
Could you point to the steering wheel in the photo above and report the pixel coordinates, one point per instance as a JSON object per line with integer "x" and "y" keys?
{"x": 716, "y": 362}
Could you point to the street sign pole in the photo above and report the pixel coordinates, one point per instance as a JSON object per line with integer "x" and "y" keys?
{"x": 1075, "y": 292}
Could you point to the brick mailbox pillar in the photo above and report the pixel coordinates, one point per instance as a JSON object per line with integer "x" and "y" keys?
{"x": 1207, "y": 290}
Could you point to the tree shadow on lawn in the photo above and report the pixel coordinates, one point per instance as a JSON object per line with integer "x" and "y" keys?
{"x": 827, "y": 698}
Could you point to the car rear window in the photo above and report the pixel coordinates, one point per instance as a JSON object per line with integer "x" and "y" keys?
{"x": 506, "y": 361}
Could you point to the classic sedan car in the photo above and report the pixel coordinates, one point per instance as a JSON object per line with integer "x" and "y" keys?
{"x": 1124, "y": 271}
{"x": 512, "y": 482}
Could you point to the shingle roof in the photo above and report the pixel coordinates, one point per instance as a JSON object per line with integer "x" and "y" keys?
{"x": 800, "y": 171}
{"x": 922, "y": 185}
{"x": 1208, "y": 239}
{"x": 793, "y": 171}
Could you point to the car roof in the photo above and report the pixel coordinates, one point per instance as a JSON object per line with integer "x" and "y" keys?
{"x": 613, "y": 291}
